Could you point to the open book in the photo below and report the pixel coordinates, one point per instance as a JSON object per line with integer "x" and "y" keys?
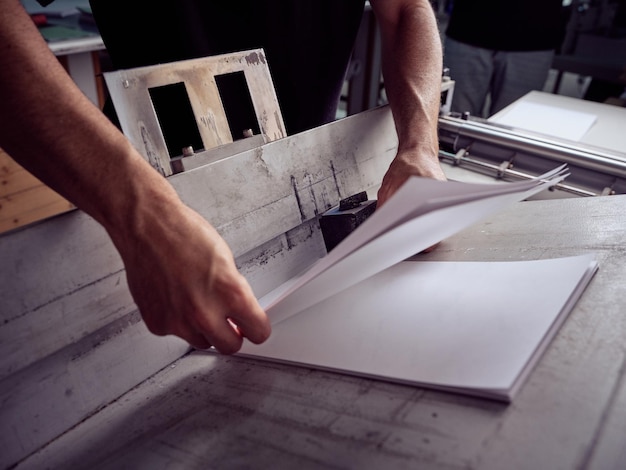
{"x": 469, "y": 327}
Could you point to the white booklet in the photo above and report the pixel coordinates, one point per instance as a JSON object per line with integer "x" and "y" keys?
{"x": 471, "y": 327}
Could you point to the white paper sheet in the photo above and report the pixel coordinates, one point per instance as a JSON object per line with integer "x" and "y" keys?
{"x": 472, "y": 327}
{"x": 548, "y": 120}
{"x": 421, "y": 214}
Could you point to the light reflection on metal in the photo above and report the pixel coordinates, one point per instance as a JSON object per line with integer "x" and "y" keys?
{"x": 506, "y": 153}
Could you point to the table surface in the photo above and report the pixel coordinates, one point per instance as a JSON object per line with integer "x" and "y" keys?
{"x": 210, "y": 411}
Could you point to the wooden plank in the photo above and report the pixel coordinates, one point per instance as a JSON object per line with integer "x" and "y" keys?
{"x": 17, "y": 180}
{"x": 24, "y": 198}
{"x": 31, "y": 205}
{"x": 13, "y": 205}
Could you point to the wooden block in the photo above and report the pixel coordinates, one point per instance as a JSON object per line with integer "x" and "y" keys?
{"x": 24, "y": 199}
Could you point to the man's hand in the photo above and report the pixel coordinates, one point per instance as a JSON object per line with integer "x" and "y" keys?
{"x": 412, "y": 65}
{"x": 406, "y": 164}
{"x": 184, "y": 280}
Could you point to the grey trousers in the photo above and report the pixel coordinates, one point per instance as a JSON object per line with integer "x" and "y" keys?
{"x": 488, "y": 80}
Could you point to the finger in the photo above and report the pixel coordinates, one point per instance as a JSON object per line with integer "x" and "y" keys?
{"x": 381, "y": 196}
{"x": 195, "y": 339}
{"x": 227, "y": 340}
{"x": 217, "y": 330}
{"x": 252, "y": 322}
{"x": 431, "y": 248}
{"x": 386, "y": 190}
{"x": 248, "y": 316}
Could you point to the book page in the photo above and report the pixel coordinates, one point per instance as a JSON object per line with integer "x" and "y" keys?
{"x": 466, "y": 326}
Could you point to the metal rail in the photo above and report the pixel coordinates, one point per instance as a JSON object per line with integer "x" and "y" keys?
{"x": 475, "y": 143}
{"x": 454, "y": 130}
{"x": 501, "y": 172}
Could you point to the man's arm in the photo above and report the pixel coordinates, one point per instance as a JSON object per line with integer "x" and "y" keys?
{"x": 412, "y": 67}
{"x": 180, "y": 271}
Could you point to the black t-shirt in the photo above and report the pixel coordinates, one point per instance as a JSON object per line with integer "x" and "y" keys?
{"x": 522, "y": 25}
{"x": 307, "y": 42}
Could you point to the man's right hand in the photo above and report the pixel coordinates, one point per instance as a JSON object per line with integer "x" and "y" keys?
{"x": 183, "y": 278}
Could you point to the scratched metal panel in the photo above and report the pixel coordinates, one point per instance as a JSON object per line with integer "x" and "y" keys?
{"x": 54, "y": 271}
{"x": 278, "y": 260}
{"x": 283, "y": 183}
{"x": 57, "y": 270}
{"x": 59, "y": 281}
{"x": 129, "y": 91}
{"x": 70, "y": 340}
{"x": 41, "y": 402}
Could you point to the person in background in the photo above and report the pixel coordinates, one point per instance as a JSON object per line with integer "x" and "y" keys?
{"x": 192, "y": 290}
{"x": 612, "y": 91}
{"x": 497, "y": 51}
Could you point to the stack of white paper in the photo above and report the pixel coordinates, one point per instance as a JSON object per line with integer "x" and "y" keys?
{"x": 470, "y": 327}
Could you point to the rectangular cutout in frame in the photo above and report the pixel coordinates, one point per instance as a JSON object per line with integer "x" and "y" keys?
{"x": 176, "y": 118}
{"x": 238, "y": 106}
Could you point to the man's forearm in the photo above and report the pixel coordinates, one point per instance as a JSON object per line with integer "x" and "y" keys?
{"x": 412, "y": 66}
{"x": 56, "y": 133}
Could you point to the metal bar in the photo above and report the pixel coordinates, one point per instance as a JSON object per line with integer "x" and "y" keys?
{"x": 452, "y": 130}
{"x": 501, "y": 172}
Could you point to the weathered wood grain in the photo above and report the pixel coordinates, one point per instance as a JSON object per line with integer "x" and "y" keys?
{"x": 23, "y": 198}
